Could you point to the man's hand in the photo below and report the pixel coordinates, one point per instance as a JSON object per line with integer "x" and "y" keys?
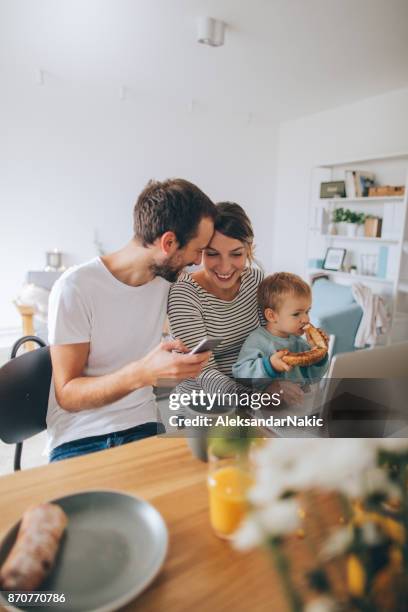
{"x": 277, "y": 363}
{"x": 290, "y": 393}
{"x": 171, "y": 361}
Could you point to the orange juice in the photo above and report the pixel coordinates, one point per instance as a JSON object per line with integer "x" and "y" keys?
{"x": 227, "y": 488}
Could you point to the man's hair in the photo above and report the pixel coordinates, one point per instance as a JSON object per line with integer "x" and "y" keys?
{"x": 173, "y": 205}
{"x": 276, "y": 287}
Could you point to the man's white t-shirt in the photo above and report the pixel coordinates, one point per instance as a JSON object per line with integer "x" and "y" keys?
{"x": 122, "y": 324}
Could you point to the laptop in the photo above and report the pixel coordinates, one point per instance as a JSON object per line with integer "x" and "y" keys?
{"x": 365, "y": 393}
{"x": 379, "y": 362}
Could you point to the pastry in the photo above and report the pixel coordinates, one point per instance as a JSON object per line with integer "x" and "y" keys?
{"x": 34, "y": 551}
{"x": 319, "y": 349}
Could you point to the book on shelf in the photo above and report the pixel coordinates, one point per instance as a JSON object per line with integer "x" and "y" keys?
{"x": 393, "y": 220}
{"x": 358, "y": 183}
{"x": 350, "y": 184}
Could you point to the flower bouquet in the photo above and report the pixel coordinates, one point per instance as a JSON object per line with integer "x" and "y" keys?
{"x": 368, "y": 479}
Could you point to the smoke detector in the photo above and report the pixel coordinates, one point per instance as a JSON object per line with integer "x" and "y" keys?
{"x": 211, "y": 31}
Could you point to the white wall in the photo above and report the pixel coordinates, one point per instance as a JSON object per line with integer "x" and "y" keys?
{"x": 371, "y": 127}
{"x": 73, "y": 161}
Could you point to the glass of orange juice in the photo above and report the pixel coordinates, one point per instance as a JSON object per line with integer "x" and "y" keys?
{"x": 229, "y": 479}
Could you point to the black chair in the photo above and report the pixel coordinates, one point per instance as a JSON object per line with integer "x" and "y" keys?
{"x": 24, "y": 389}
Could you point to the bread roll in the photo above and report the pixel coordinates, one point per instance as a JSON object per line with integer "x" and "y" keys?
{"x": 33, "y": 554}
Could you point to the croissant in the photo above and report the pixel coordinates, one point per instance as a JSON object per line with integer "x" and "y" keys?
{"x": 33, "y": 554}
{"x": 319, "y": 349}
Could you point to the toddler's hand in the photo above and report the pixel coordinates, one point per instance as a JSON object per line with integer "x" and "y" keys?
{"x": 277, "y": 363}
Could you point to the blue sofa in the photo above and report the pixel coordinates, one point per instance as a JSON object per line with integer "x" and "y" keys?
{"x": 335, "y": 310}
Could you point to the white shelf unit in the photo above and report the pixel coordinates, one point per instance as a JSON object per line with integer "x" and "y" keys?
{"x": 346, "y": 238}
{"x": 392, "y": 245}
{"x": 351, "y": 277}
{"x": 366, "y": 200}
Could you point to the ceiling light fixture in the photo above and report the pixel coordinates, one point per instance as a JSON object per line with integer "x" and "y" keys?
{"x": 211, "y": 31}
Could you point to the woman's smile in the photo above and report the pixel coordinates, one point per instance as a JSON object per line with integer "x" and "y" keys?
{"x": 224, "y": 277}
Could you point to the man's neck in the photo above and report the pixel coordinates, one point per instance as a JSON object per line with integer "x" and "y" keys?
{"x": 130, "y": 265}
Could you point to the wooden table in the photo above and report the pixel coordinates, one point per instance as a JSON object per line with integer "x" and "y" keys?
{"x": 201, "y": 572}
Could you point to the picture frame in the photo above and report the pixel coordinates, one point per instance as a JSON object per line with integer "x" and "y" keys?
{"x": 333, "y": 189}
{"x": 334, "y": 259}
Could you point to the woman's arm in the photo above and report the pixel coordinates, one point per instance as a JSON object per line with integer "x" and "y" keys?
{"x": 186, "y": 319}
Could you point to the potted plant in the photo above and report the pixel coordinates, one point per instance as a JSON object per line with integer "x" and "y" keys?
{"x": 338, "y": 217}
{"x": 353, "y": 221}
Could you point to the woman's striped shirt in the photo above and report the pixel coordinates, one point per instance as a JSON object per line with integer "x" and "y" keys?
{"x": 195, "y": 313}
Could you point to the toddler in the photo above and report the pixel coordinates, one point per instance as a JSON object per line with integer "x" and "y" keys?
{"x": 285, "y": 300}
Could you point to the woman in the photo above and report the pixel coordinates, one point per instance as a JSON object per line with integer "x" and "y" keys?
{"x": 220, "y": 300}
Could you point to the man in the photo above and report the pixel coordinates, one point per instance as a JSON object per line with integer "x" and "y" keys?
{"x": 106, "y": 319}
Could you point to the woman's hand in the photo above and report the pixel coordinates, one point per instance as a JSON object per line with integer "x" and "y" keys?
{"x": 290, "y": 393}
{"x": 277, "y": 363}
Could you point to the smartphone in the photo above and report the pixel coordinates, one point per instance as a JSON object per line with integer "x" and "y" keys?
{"x": 206, "y": 344}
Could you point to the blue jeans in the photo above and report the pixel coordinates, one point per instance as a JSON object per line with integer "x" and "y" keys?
{"x": 98, "y": 443}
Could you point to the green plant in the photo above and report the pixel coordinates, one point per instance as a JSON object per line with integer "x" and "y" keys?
{"x": 353, "y": 217}
{"x": 348, "y": 216}
{"x": 338, "y": 215}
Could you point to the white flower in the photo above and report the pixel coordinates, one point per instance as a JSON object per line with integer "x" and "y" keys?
{"x": 393, "y": 445}
{"x": 342, "y": 465}
{"x": 337, "y": 543}
{"x": 267, "y": 488}
{"x": 347, "y": 465}
{"x": 284, "y": 451}
{"x": 249, "y": 535}
{"x": 324, "y": 603}
{"x": 331, "y": 464}
{"x": 278, "y": 518}
{"x": 376, "y": 481}
{"x": 370, "y": 533}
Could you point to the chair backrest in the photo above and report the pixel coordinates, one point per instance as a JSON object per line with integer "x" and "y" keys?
{"x": 24, "y": 389}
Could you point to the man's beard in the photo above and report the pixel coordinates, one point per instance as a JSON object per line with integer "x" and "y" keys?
{"x": 169, "y": 270}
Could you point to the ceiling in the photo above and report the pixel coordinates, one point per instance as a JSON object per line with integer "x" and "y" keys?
{"x": 282, "y": 58}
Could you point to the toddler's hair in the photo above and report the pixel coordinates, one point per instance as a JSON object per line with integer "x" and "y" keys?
{"x": 276, "y": 287}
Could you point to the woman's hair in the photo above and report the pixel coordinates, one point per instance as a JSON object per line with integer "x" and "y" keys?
{"x": 231, "y": 220}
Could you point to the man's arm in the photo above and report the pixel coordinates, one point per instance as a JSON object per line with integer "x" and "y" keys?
{"x": 75, "y": 392}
